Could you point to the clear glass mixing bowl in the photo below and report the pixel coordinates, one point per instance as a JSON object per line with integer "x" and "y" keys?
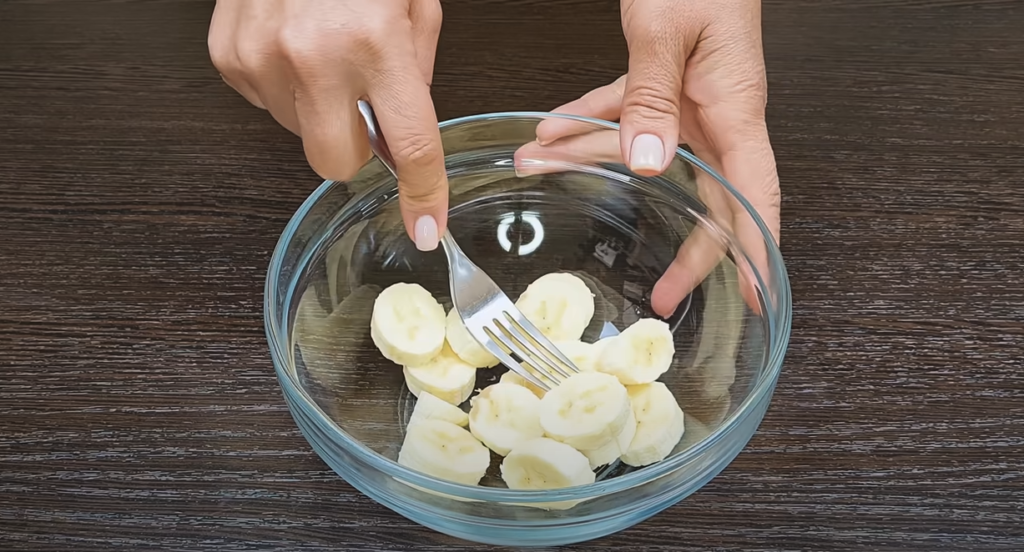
{"x": 521, "y": 210}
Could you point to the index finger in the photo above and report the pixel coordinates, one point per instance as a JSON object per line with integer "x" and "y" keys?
{"x": 405, "y": 111}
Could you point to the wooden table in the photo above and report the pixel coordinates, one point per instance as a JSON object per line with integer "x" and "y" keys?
{"x": 140, "y": 200}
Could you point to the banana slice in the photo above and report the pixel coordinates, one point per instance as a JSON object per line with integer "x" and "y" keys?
{"x": 516, "y": 379}
{"x": 640, "y": 354}
{"x": 444, "y": 450}
{"x": 465, "y": 345}
{"x": 659, "y": 424}
{"x": 407, "y": 324}
{"x": 583, "y": 355}
{"x": 504, "y": 415}
{"x": 429, "y": 407}
{"x": 586, "y": 411}
{"x": 544, "y": 463}
{"x": 615, "y": 448}
{"x": 446, "y": 376}
{"x": 559, "y": 304}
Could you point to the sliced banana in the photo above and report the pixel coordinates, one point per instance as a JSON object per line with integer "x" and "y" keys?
{"x": 615, "y": 448}
{"x": 504, "y": 415}
{"x": 640, "y": 354}
{"x": 446, "y": 376}
{"x": 516, "y": 379}
{"x": 465, "y": 345}
{"x": 586, "y": 411}
{"x": 444, "y": 450}
{"x": 544, "y": 463}
{"x": 429, "y": 407}
{"x": 407, "y": 324}
{"x": 659, "y": 424}
{"x": 559, "y": 304}
{"x": 607, "y": 301}
{"x": 584, "y": 355}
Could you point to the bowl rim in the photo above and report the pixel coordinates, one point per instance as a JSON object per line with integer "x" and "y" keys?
{"x": 779, "y": 333}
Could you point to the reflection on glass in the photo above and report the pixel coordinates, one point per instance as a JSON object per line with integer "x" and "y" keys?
{"x": 506, "y": 225}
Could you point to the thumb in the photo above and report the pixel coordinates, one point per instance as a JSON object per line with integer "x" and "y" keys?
{"x": 406, "y": 115}
{"x": 651, "y": 100}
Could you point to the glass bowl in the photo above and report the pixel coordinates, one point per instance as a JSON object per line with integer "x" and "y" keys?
{"x": 521, "y": 210}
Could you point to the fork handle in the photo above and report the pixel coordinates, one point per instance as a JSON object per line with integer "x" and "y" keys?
{"x": 379, "y": 145}
{"x": 459, "y": 264}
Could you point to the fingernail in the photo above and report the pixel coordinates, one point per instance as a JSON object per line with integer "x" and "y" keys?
{"x": 527, "y": 167}
{"x": 647, "y": 154}
{"x": 426, "y": 233}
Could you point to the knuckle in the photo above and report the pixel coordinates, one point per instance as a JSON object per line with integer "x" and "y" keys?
{"x": 334, "y": 156}
{"x": 370, "y": 36}
{"x": 419, "y": 156}
{"x": 222, "y": 55}
{"x": 770, "y": 193}
{"x": 250, "y": 57}
{"x": 304, "y": 46}
{"x": 760, "y": 91}
{"x": 297, "y": 46}
{"x": 432, "y": 16}
{"x": 647, "y": 101}
{"x": 420, "y": 194}
{"x": 220, "y": 44}
{"x": 775, "y": 200}
{"x": 419, "y": 151}
{"x": 751, "y": 81}
{"x": 332, "y": 169}
{"x": 379, "y": 26}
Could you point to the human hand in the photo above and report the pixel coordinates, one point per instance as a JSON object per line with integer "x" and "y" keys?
{"x": 696, "y": 75}
{"x": 309, "y": 61}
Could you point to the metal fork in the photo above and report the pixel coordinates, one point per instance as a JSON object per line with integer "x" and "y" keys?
{"x": 489, "y": 315}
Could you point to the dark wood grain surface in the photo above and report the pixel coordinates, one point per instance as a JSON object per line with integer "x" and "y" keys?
{"x": 140, "y": 200}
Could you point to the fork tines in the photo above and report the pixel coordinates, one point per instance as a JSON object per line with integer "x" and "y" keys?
{"x": 532, "y": 354}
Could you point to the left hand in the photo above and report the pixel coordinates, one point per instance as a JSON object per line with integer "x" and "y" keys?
{"x": 696, "y": 75}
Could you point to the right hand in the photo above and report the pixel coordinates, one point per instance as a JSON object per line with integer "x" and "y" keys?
{"x": 696, "y": 75}
{"x": 309, "y": 61}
